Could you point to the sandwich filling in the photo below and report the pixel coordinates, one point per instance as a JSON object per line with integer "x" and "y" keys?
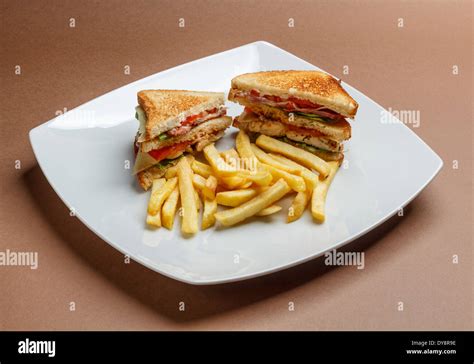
{"x": 191, "y": 121}
{"x": 292, "y": 104}
{"x": 158, "y": 152}
{"x": 186, "y": 125}
{"x": 254, "y": 123}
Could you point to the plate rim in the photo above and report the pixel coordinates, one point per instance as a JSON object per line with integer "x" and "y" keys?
{"x": 202, "y": 282}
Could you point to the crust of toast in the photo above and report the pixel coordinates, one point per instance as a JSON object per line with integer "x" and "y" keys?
{"x": 166, "y": 109}
{"x": 315, "y": 86}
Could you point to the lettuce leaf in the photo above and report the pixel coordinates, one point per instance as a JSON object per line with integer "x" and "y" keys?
{"x": 301, "y": 145}
{"x": 313, "y": 117}
{"x": 166, "y": 162}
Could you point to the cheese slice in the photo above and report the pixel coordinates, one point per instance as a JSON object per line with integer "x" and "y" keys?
{"x": 142, "y": 120}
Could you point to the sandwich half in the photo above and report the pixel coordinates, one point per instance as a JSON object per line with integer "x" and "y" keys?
{"x": 305, "y": 108}
{"x": 173, "y": 122}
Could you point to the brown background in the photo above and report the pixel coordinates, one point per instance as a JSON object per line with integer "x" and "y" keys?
{"x": 408, "y": 259}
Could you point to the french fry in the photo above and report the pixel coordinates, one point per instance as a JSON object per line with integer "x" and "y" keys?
{"x": 155, "y": 220}
{"x": 208, "y": 218}
{"x": 297, "y": 183}
{"x": 171, "y": 172}
{"x": 269, "y": 210}
{"x": 298, "y": 206}
{"x": 258, "y": 174}
{"x": 199, "y": 182}
{"x": 242, "y": 143}
{"x": 209, "y": 189}
{"x": 301, "y": 156}
{"x": 269, "y": 160}
{"x": 202, "y": 169}
{"x": 168, "y": 211}
{"x": 198, "y": 201}
{"x": 160, "y": 194}
{"x": 233, "y": 182}
{"x": 237, "y": 214}
{"x": 230, "y": 156}
{"x": 218, "y": 164}
{"x": 235, "y": 197}
{"x": 310, "y": 178}
{"x": 262, "y": 189}
{"x": 261, "y": 178}
{"x": 247, "y": 184}
{"x": 318, "y": 199}
{"x": 189, "y": 224}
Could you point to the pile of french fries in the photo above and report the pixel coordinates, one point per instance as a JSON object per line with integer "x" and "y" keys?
{"x": 247, "y": 181}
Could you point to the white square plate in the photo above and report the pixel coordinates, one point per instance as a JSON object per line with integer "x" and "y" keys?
{"x": 83, "y": 154}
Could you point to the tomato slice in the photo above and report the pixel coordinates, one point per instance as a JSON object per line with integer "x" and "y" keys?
{"x": 191, "y": 119}
{"x": 274, "y": 98}
{"x": 290, "y": 106}
{"x": 303, "y": 103}
{"x": 254, "y": 93}
{"x": 162, "y": 153}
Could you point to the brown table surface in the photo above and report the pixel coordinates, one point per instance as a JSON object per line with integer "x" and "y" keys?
{"x": 407, "y": 259}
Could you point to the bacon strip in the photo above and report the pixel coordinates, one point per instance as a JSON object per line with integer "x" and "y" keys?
{"x": 179, "y": 130}
{"x": 288, "y": 105}
{"x": 192, "y": 121}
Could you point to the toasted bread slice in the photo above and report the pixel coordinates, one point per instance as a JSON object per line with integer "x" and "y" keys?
{"x": 145, "y": 177}
{"x": 195, "y": 134}
{"x": 315, "y": 86}
{"x": 338, "y": 130}
{"x": 166, "y": 109}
